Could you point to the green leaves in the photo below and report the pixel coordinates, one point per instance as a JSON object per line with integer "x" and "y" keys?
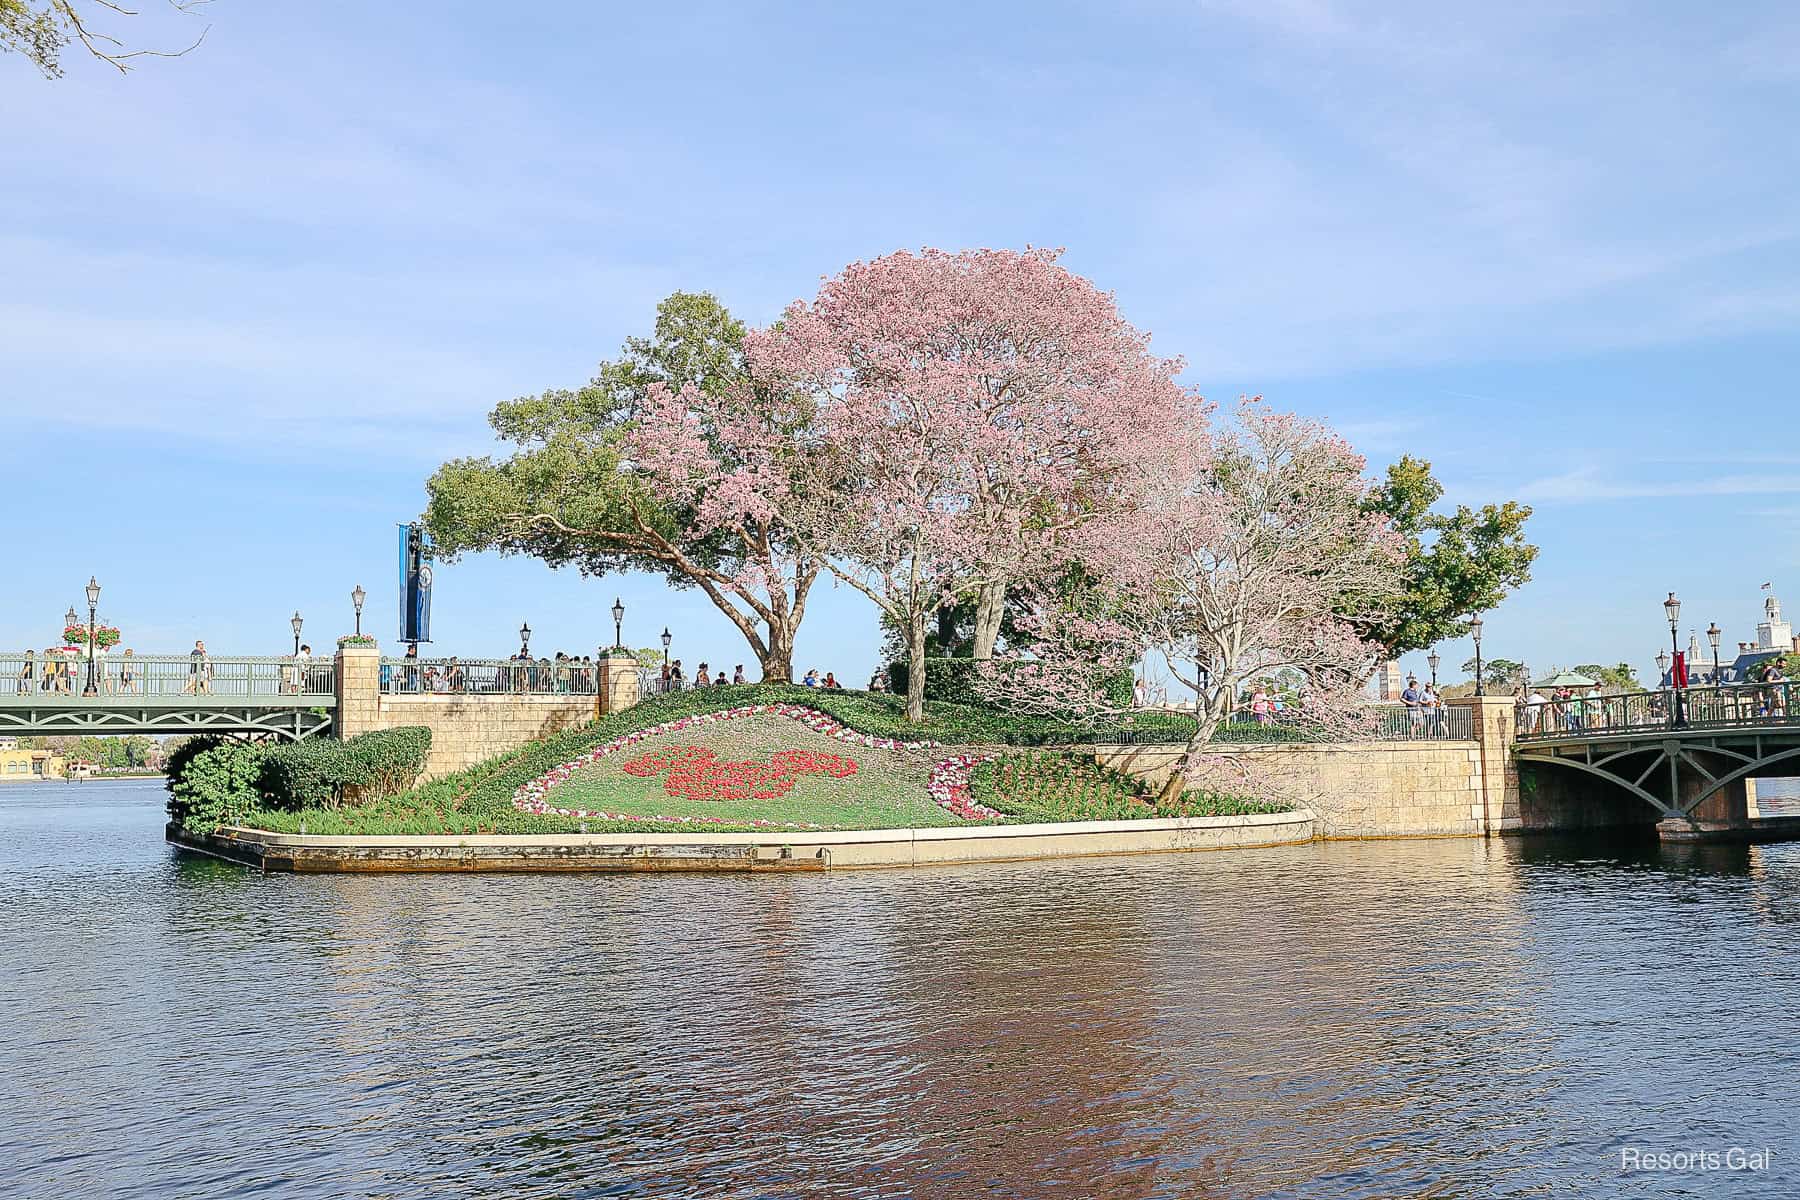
{"x": 1457, "y": 564}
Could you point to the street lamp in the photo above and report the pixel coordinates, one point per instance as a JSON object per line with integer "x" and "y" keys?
{"x": 667, "y": 638}
{"x": 71, "y": 618}
{"x": 1672, "y": 609}
{"x": 356, "y": 599}
{"x": 1475, "y": 632}
{"x": 1662, "y": 666}
{"x": 619, "y": 623}
{"x": 524, "y": 641}
{"x": 93, "y": 595}
{"x": 1432, "y": 660}
{"x": 296, "y": 623}
{"x": 1712, "y": 635}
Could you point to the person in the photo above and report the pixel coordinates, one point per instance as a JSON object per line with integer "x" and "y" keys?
{"x": 664, "y": 685}
{"x": 1261, "y": 711}
{"x": 302, "y": 665}
{"x": 1534, "y": 711}
{"x": 701, "y": 678}
{"x": 127, "y": 672}
{"x": 1414, "y": 700}
{"x": 719, "y": 680}
{"x": 1140, "y": 693}
{"x": 454, "y": 678}
{"x": 1432, "y": 705}
{"x": 27, "y": 674}
{"x": 199, "y": 671}
{"x": 1594, "y": 708}
{"x": 737, "y": 674}
{"x": 811, "y": 679}
{"x": 675, "y": 676}
{"x": 878, "y": 682}
{"x": 1775, "y": 677}
{"x": 102, "y": 671}
{"x": 831, "y": 683}
{"x": 409, "y": 668}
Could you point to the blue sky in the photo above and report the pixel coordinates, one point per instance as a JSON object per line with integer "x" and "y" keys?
{"x": 255, "y": 295}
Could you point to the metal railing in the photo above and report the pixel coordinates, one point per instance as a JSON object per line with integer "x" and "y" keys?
{"x": 652, "y": 683}
{"x": 489, "y": 676}
{"x": 1740, "y": 706}
{"x": 54, "y": 679}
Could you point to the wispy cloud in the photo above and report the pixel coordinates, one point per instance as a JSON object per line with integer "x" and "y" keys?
{"x": 1587, "y": 485}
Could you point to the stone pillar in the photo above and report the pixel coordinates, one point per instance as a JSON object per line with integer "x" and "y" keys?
{"x": 1497, "y": 801}
{"x": 619, "y": 676}
{"x": 358, "y": 690}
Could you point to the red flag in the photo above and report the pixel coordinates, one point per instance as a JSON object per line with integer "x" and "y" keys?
{"x": 1679, "y": 674}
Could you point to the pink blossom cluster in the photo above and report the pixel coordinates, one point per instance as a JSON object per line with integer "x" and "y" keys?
{"x": 532, "y": 796}
{"x": 949, "y": 787}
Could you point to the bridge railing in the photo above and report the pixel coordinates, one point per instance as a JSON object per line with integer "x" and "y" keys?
{"x": 1738, "y": 706}
{"x": 40, "y": 679}
{"x": 488, "y": 676}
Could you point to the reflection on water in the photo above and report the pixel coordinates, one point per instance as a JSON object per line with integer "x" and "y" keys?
{"x": 1373, "y": 1019}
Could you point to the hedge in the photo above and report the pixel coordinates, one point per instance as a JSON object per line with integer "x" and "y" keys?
{"x": 324, "y": 772}
{"x": 214, "y": 781}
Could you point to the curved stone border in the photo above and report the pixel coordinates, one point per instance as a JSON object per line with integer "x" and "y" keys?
{"x": 814, "y": 850}
{"x": 531, "y": 796}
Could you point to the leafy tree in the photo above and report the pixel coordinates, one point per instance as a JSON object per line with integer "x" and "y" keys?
{"x": 645, "y": 468}
{"x": 1620, "y": 678}
{"x": 1457, "y": 564}
{"x": 42, "y": 29}
{"x": 1497, "y": 672}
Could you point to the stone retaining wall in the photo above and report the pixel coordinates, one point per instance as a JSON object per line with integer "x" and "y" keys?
{"x": 1368, "y": 789}
{"x": 787, "y": 850}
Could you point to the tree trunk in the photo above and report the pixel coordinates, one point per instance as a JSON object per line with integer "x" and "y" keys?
{"x": 915, "y": 673}
{"x": 778, "y": 659}
{"x": 1180, "y": 775}
{"x": 990, "y": 606}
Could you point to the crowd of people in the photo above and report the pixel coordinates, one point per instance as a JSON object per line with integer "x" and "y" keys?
{"x": 59, "y": 672}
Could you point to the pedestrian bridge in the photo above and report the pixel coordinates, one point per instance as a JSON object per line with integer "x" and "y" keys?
{"x": 156, "y": 694}
{"x": 1687, "y": 753}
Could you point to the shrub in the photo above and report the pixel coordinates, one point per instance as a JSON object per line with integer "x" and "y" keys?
{"x": 324, "y": 773}
{"x": 952, "y": 681}
{"x": 212, "y": 781}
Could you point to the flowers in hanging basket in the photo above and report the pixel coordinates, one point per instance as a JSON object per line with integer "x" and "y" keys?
{"x": 355, "y": 639}
{"x": 105, "y": 636}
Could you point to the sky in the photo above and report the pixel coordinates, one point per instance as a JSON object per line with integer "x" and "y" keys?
{"x": 254, "y": 295}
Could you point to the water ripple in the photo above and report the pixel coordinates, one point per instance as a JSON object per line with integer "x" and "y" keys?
{"x": 1388, "y": 1019}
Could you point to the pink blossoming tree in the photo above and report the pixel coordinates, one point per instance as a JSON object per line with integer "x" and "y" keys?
{"x": 976, "y": 409}
{"x": 1259, "y": 557}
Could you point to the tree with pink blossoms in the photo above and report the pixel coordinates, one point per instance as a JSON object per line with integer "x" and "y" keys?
{"x": 978, "y": 408}
{"x": 1258, "y": 557}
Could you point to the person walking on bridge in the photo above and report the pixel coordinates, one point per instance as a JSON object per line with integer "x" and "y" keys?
{"x": 199, "y": 681}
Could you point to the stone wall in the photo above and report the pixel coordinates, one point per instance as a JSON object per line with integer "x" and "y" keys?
{"x": 464, "y": 729}
{"x": 1364, "y": 789}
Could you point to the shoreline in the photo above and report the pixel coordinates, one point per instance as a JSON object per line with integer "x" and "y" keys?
{"x": 856, "y": 849}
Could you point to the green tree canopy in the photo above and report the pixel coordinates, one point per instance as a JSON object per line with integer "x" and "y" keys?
{"x": 1457, "y": 564}
{"x": 571, "y": 494}
{"x": 1496, "y": 672}
{"x": 1619, "y": 678}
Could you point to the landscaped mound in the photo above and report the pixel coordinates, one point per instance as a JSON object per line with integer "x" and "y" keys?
{"x": 730, "y": 759}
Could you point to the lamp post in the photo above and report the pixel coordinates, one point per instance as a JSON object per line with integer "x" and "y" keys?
{"x": 356, "y": 600}
{"x": 524, "y": 641}
{"x": 1475, "y": 632}
{"x": 1672, "y": 610}
{"x": 1432, "y": 660}
{"x": 1712, "y": 635}
{"x": 296, "y": 623}
{"x": 618, "y": 612}
{"x": 666, "y": 639}
{"x": 93, "y": 595}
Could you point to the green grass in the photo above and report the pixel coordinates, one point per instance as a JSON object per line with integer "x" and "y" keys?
{"x": 1043, "y": 785}
{"x": 888, "y": 790}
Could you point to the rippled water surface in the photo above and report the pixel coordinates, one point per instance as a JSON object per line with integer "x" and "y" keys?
{"x": 1354, "y": 1019}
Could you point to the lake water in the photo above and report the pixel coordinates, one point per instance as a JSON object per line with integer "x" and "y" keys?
{"x": 1354, "y": 1019}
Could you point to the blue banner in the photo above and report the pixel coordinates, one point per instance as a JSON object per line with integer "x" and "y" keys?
{"x": 415, "y": 583}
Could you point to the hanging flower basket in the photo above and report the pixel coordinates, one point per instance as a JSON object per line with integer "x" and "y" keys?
{"x": 355, "y": 639}
{"x": 105, "y": 636}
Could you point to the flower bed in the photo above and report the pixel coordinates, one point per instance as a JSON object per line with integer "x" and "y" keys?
{"x": 696, "y": 773}
{"x": 949, "y": 787}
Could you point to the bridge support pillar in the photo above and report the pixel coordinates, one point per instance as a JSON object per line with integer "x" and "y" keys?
{"x": 358, "y": 690}
{"x": 1496, "y": 804}
{"x": 619, "y": 679}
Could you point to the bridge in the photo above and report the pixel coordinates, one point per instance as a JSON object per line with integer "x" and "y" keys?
{"x": 1687, "y": 753}
{"x": 160, "y": 694}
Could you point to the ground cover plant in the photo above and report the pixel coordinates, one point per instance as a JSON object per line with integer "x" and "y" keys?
{"x": 1045, "y": 785}
{"x": 888, "y": 788}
